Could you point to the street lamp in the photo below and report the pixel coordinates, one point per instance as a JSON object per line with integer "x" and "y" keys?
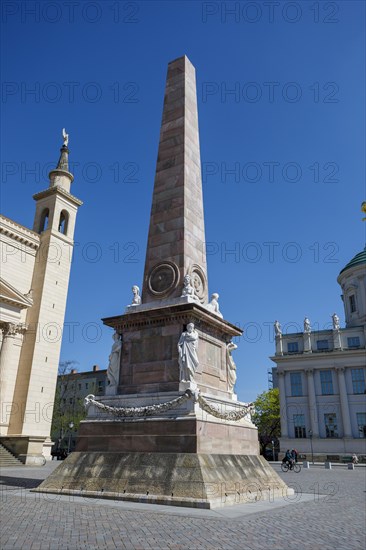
{"x": 71, "y": 425}
{"x": 310, "y": 432}
{"x": 273, "y": 451}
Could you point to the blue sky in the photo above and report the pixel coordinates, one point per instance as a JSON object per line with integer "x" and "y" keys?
{"x": 280, "y": 99}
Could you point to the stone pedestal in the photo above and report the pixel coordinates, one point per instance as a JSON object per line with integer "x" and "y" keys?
{"x": 149, "y": 360}
{"x": 178, "y": 479}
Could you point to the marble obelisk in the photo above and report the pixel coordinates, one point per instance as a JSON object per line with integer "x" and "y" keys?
{"x": 176, "y": 242}
{"x": 160, "y": 437}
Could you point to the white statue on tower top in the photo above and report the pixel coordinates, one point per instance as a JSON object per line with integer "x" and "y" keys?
{"x": 307, "y": 326}
{"x": 65, "y": 137}
{"x": 335, "y": 319}
{"x": 277, "y": 328}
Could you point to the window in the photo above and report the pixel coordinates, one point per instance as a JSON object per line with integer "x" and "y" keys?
{"x": 100, "y": 386}
{"x": 353, "y": 342}
{"x": 361, "y": 422}
{"x": 352, "y": 303}
{"x": 71, "y": 400}
{"x": 299, "y": 426}
{"x": 326, "y": 382}
{"x": 296, "y": 385}
{"x": 86, "y": 385}
{"x": 62, "y": 224}
{"x": 79, "y": 386}
{"x": 331, "y": 428}
{"x": 293, "y": 347}
{"x": 43, "y": 223}
{"x": 358, "y": 381}
{"x": 322, "y": 345}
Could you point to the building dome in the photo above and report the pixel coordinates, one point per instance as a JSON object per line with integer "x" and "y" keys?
{"x": 359, "y": 259}
{"x": 352, "y": 279}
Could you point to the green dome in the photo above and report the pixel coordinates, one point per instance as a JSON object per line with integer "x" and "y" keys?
{"x": 360, "y": 258}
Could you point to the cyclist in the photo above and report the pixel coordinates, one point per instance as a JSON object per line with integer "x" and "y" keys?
{"x": 294, "y": 454}
{"x": 288, "y": 459}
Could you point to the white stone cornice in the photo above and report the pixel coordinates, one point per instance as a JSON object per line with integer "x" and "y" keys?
{"x": 18, "y": 232}
{"x": 10, "y": 295}
{"x": 57, "y": 190}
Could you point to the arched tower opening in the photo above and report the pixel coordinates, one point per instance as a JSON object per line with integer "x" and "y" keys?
{"x": 43, "y": 223}
{"x": 63, "y": 222}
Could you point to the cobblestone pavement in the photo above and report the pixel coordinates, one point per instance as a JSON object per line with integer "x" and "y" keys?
{"x": 327, "y": 512}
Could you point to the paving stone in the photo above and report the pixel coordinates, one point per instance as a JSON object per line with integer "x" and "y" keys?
{"x": 333, "y": 516}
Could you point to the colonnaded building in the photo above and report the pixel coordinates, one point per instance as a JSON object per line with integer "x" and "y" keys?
{"x": 35, "y": 270}
{"x": 321, "y": 377}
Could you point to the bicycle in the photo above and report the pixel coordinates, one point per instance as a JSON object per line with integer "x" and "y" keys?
{"x": 285, "y": 467}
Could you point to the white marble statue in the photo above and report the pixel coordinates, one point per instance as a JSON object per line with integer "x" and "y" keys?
{"x": 277, "y": 328}
{"x": 188, "y": 289}
{"x": 187, "y": 354}
{"x": 114, "y": 362}
{"x": 231, "y": 367}
{"x": 65, "y": 137}
{"x": 213, "y": 305}
{"x": 307, "y": 326}
{"x": 136, "y": 300}
{"x": 335, "y": 319}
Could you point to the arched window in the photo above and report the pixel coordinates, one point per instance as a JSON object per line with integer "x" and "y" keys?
{"x": 64, "y": 219}
{"x": 43, "y": 224}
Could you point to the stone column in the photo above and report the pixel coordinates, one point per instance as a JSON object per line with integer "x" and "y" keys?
{"x": 347, "y": 429}
{"x": 283, "y": 405}
{"x": 9, "y": 331}
{"x": 313, "y": 411}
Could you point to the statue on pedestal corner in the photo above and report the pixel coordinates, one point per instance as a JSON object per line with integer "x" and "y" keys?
{"x": 187, "y": 354}
{"x": 188, "y": 289}
{"x": 231, "y": 367}
{"x": 136, "y": 300}
{"x": 114, "y": 364}
{"x": 213, "y": 305}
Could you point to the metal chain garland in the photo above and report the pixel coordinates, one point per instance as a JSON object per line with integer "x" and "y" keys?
{"x": 150, "y": 410}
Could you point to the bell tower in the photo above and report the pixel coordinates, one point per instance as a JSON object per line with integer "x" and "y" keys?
{"x": 54, "y": 222}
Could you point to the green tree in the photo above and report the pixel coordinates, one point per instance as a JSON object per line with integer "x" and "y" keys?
{"x": 267, "y": 417}
{"x": 67, "y": 408}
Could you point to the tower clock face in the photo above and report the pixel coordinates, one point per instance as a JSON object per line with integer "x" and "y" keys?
{"x": 163, "y": 278}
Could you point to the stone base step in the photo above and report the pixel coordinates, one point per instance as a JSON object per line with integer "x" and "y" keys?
{"x": 7, "y": 459}
{"x": 175, "y": 479}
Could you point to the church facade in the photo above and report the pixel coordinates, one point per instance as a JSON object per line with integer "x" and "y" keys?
{"x": 321, "y": 377}
{"x": 35, "y": 270}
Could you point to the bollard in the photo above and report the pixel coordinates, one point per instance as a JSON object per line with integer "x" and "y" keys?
{"x": 328, "y": 465}
{"x": 351, "y": 466}
{"x": 306, "y": 464}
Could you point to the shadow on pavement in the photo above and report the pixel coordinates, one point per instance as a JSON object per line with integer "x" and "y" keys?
{"x": 21, "y": 482}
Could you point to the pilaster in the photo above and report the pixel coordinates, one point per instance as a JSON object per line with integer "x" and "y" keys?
{"x": 344, "y": 402}
{"x": 313, "y": 411}
{"x": 283, "y": 407}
